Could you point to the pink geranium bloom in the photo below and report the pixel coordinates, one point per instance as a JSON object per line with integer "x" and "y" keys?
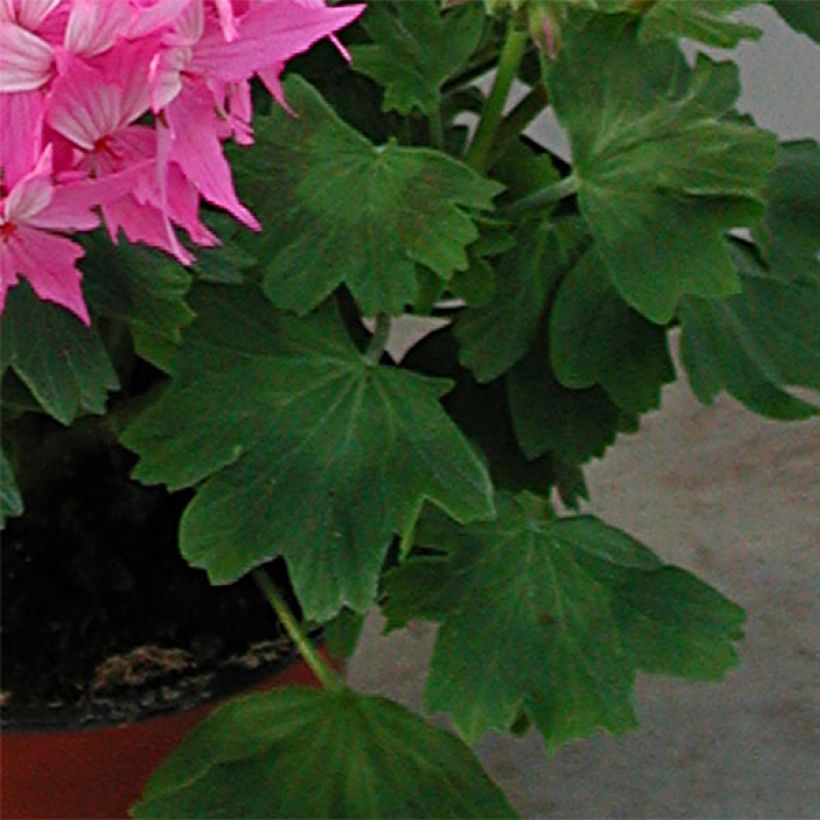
{"x": 30, "y": 213}
{"x": 123, "y": 105}
{"x": 96, "y": 110}
{"x": 37, "y": 35}
{"x": 201, "y": 81}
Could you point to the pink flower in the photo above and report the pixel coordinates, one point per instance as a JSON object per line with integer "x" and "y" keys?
{"x": 124, "y": 105}
{"x": 33, "y": 209}
{"x": 201, "y": 82}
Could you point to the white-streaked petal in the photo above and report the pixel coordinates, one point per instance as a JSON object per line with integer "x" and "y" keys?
{"x": 93, "y": 26}
{"x": 25, "y": 59}
{"x": 31, "y": 194}
{"x": 32, "y": 13}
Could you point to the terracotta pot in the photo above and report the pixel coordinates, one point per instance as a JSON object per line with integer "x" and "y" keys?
{"x": 100, "y": 771}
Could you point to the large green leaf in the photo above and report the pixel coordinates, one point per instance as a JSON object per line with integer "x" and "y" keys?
{"x": 310, "y": 451}
{"x": 553, "y": 617}
{"x": 790, "y": 234}
{"x": 801, "y": 15}
{"x": 596, "y": 338}
{"x": 701, "y": 20}
{"x": 575, "y": 425}
{"x": 755, "y": 343}
{"x": 482, "y": 413}
{"x": 661, "y": 174}
{"x": 494, "y": 337}
{"x": 63, "y": 363}
{"x": 337, "y": 208}
{"x": 415, "y": 49}
{"x": 11, "y": 503}
{"x": 310, "y": 753}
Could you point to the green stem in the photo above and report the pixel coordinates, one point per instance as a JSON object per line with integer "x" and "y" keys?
{"x": 543, "y": 196}
{"x": 379, "y": 339}
{"x": 327, "y": 677}
{"x": 519, "y": 118}
{"x": 513, "y": 50}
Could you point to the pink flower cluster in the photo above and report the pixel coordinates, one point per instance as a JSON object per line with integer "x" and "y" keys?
{"x": 122, "y": 106}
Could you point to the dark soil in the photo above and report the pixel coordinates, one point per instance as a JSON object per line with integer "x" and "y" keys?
{"x": 98, "y": 603}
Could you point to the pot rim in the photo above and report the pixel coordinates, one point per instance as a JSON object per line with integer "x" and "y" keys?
{"x": 225, "y": 681}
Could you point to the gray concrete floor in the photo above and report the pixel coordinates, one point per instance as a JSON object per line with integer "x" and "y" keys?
{"x": 733, "y": 498}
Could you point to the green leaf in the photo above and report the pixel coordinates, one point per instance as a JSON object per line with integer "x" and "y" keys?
{"x": 661, "y": 173}
{"x": 227, "y": 262}
{"x": 494, "y": 337}
{"x": 338, "y": 209}
{"x": 596, "y": 338}
{"x": 139, "y": 286}
{"x": 310, "y": 753}
{"x": 701, "y": 20}
{"x": 575, "y": 425}
{"x": 755, "y": 343}
{"x": 801, "y": 15}
{"x": 482, "y": 414}
{"x": 310, "y": 451}
{"x": 476, "y": 285}
{"x": 63, "y": 363}
{"x": 554, "y": 617}
{"x": 343, "y": 632}
{"x": 523, "y": 167}
{"x": 790, "y": 235}
{"x": 11, "y": 503}
{"x": 136, "y": 284}
{"x": 415, "y": 49}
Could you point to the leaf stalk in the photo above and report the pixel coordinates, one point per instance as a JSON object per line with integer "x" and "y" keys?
{"x": 326, "y": 676}
{"x": 543, "y": 196}
{"x": 512, "y": 52}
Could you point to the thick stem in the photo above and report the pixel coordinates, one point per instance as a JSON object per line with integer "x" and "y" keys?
{"x": 379, "y": 339}
{"x": 327, "y": 677}
{"x": 514, "y": 46}
{"x": 543, "y": 196}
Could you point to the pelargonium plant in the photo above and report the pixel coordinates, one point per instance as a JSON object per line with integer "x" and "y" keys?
{"x": 243, "y": 195}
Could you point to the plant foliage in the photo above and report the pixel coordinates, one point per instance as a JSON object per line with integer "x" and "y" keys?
{"x": 257, "y": 376}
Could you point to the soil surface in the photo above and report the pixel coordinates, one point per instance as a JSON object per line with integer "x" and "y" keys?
{"x": 98, "y": 605}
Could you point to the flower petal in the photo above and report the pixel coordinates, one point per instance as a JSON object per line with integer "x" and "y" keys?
{"x": 143, "y": 223}
{"x": 198, "y": 152}
{"x": 17, "y": 156}
{"x": 93, "y": 27}
{"x": 32, "y": 13}
{"x": 268, "y": 34}
{"x": 49, "y": 263}
{"x": 85, "y": 107}
{"x": 25, "y": 59}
